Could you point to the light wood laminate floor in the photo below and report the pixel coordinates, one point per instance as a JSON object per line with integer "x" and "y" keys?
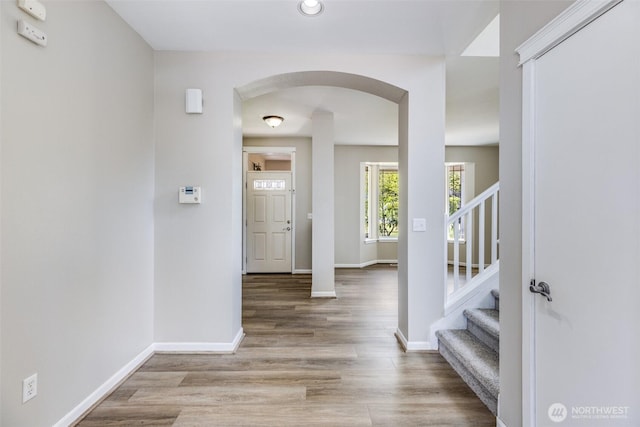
{"x": 303, "y": 362}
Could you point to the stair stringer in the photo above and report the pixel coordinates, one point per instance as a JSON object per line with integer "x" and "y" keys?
{"x": 480, "y": 297}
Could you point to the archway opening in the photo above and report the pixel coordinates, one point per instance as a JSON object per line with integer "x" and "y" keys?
{"x": 323, "y": 225}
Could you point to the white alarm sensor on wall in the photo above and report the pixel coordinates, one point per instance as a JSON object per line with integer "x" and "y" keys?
{"x": 190, "y": 195}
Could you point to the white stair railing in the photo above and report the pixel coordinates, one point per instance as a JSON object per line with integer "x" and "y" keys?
{"x": 459, "y": 232}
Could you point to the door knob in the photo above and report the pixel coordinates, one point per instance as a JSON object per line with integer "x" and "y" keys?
{"x": 542, "y": 288}
{"x": 286, "y": 229}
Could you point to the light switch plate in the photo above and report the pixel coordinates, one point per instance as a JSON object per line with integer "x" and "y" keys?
{"x": 419, "y": 224}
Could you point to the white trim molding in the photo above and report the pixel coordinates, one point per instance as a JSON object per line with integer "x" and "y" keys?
{"x": 106, "y": 388}
{"x": 367, "y": 264}
{"x": 302, "y": 271}
{"x": 324, "y": 294}
{"x": 246, "y": 150}
{"x": 413, "y": 345}
{"x": 362, "y": 265}
{"x": 569, "y": 22}
{"x": 500, "y": 423}
{"x": 269, "y": 149}
{"x": 194, "y": 347}
{"x": 573, "y": 19}
{"x": 127, "y": 370}
{"x": 200, "y": 347}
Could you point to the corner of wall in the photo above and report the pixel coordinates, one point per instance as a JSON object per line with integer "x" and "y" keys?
{"x": 519, "y": 20}
{"x": 1, "y": 138}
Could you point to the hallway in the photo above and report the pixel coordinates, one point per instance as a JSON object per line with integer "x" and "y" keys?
{"x": 322, "y": 362}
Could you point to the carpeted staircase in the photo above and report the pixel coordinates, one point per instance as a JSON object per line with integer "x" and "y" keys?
{"x": 473, "y": 352}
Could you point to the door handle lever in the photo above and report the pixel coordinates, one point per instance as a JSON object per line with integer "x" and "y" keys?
{"x": 542, "y": 288}
{"x": 286, "y": 229}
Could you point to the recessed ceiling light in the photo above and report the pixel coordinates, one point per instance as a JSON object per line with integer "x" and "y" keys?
{"x": 310, "y": 7}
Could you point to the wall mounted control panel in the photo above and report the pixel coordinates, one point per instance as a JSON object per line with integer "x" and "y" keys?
{"x": 190, "y": 195}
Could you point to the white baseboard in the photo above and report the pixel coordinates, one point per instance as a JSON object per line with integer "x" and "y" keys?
{"x": 401, "y": 339}
{"x": 128, "y": 369}
{"x": 302, "y": 271}
{"x": 367, "y": 264}
{"x": 464, "y": 264}
{"x": 413, "y": 345}
{"x": 324, "y": 294}
{"x": 500, "y": 423}
{"x": 349, "y": 266}
{"x": 420, "y": 346}
{"x": 200, "y": 347}
{"x": 106, "y": 388}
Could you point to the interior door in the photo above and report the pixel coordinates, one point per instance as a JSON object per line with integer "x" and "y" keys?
{"x": 587, "y": 225}
{"x": 269, "y": 225}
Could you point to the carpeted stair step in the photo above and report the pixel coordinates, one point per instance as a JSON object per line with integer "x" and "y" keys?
{"x": 476, "y": 363}
{"x": 496, "y": 297}
{"x": 484, "y": 324}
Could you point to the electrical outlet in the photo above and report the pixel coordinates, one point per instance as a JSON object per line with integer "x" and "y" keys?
{"x": 29, "y": 388}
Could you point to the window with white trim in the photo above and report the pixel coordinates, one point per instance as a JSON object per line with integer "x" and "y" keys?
{"x": 455, "y": 196}
{"x": 380, "y": 201}
{"x": 460, "y": 181}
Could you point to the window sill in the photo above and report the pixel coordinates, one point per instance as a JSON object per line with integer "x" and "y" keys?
{"x": 381, "y": 240}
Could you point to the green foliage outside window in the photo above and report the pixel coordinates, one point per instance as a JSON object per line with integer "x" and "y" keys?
{"x": 455, "y": 189}
{"x": 366, "y": 202}
{"x": 455, "y": 173}
{"x": 388, "y": 203}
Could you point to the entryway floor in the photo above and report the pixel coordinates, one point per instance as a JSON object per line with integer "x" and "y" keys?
{"x": 303, "y": 362}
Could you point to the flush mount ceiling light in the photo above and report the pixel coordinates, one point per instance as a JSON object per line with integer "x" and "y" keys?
{"x": 310, "y": 7}
{"x": 273, "y": 121}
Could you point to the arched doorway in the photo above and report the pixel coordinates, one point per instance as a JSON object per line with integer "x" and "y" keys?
{"x": 323, "y": 282}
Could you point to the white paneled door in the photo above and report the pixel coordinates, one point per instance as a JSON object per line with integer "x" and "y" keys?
{"x": 269, "y": 224}
{"x": 585, "y": 225}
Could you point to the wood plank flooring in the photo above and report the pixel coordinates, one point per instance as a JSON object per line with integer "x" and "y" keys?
{"x": 303, "y": 362}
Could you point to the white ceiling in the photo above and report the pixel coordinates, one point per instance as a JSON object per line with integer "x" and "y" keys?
{"x": 427, "y": 27}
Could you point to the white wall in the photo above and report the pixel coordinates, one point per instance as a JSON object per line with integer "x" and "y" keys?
{"x": 77, "y": 206}
{"x": 1, "y": 140}
{"x": 197, "y": 276}
{"x": 350, "y": 247}
{"x": 518, "y": 21}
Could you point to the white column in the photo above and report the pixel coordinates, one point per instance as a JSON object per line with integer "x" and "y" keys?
{"x": 322, "y": 247}
{"x": 420, "y": 253}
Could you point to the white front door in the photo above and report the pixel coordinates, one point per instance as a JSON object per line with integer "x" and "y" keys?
{"x": 586, "y": 225}
{"x": 269, "y": 225}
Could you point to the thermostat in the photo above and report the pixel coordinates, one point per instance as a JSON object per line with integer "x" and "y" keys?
{"x": 190, "y": 195}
